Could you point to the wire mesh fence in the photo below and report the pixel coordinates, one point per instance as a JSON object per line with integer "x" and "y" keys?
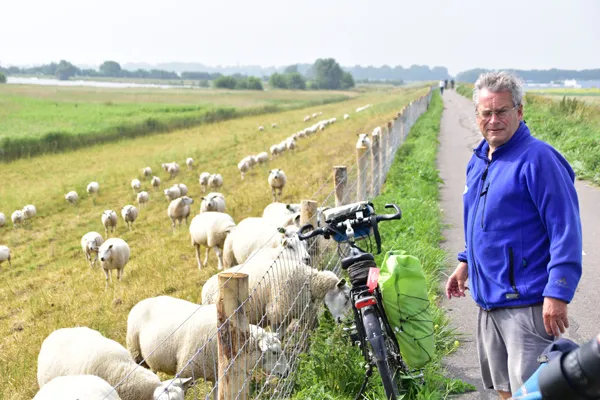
{"x": 256, "y": 317}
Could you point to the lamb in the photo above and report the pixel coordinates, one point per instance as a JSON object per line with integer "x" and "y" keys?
{"x": 113, "y": 254}
{"x": 129, "y": 214}
{"x": 17, "y": 218}
{"x": 92, "y": 188}
{"x": 70, "y": 387}
{"x": 2, "y": 220}
{"x": 363, "y": 141}
{"x": 5, "y": 255}
{"x": 155, "y": 182}
{"x": 71, "y": 197}
{"x": 254, "y": 233}
{"x": 215, "y": 181}
{"x": 84, "y": 351}
{"x": 243, "y": 166}
{"x": 136, "y": 185}
{"x": 109, "y": 220}
{"x": 153, "y": 335}
{"x": 281, "y": 214}
{"x": 204, "y": 180}
{"x": 210, "y": 229}
{"x": 213, "y": 202}
{"x": 190, "y": 163}
{"x": 172, "y": 193}
{"x": 147, "y": 172}
{"x": 179, "y": 209}
{"x": 346, "y": 116}
{"x": 262, "y": 157}
{"x": 90, "y": 244}
{"x": 275, "y": 303}
{"x": 277, "y": 181}
{"x": 29, "y": 211}
{"x": 143, "y": 198}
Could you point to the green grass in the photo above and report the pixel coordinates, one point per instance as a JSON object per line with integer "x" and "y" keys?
{"x": 333, "y": 369}
{"x": 51, "y": 286}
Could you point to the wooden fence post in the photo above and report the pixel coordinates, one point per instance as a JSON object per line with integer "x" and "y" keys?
{"x": 232, "y": 336}
{"x": 362, "y": 163}
{"x": 340, "y": 181}
{"x": 375, "y": 161}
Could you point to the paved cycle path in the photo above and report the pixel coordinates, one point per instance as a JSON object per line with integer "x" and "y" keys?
{"x": 458, "y": 136}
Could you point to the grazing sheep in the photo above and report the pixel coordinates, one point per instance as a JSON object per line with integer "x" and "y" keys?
{"x": 277, "y": 181}
{"x": 17, "y": 218}
{"x": 190, "y": 163}
{"x": 363, "y": 141}
{"x": 2, "y": 220}
{"x": 274, "y": 150}
{"x": 204, "y": 180}
{"x": 73, "y": 387}
{"x": 183, "y": 189}
{"x": 210, "y": 229}
{"x": 243, "y": 166}
{"x": 262, "y": 158}
{"x": 90, "y": 244}
{"x": 136, "y": 185}
{"x": 84, "y": 351}
{"x": 275, "y": 302}
{"x": 93, "y": 188}
{"x": 5, "y": 255}
{"x": 72, "y": 197}
{"x": 315, "y": 115}
{"x": 254, "y": 233}
{"x": 213, "y": 202}
{"x": 143, "y": 198}
{"x": 346, "y": 116}
{"x": 215, "y": 181}
{"x": 153, "y": 324}
{"x": 29, "y": 211}
{"x": 147, "y": 172}
{"x": 129, "y": 214}
{"x": 173, "y": 170}
{"x": 281, "y": 214}
{"x": 261, "y": 128}
{"x": 109, "y": 220}
{"x": 113, "y": 254}
{"x": 172, "y": 193}
{"x": 307, "y": 118}
{"x": 291, "y": 144}
{"x": 155, "y": 182}
{"x": 179, "y": 209}
{"x": 273, "y": 125}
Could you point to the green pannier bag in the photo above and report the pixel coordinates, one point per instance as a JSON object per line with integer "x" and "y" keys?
{"x": 404, "y": 291}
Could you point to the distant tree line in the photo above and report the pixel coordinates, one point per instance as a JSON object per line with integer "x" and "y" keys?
{"x": 325, "y": 73}
{"x": 536, "y": 75}
{"x": 238, "y": 82}
{"x": 2, "y": 78}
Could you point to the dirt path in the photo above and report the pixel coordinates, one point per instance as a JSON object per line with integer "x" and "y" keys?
{"x": 459, "y": 135}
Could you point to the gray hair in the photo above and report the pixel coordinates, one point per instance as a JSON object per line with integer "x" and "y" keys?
{"x": 499, "y": 82}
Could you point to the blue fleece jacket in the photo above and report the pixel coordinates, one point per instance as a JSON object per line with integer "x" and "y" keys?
{"x": 522, "y": 224}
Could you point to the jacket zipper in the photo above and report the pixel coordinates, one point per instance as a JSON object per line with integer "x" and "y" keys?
{"x": 484, "y": 193}
{"x": 511, "y": 271}
{"x": 483, "y": 178}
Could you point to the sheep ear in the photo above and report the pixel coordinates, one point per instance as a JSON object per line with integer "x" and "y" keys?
{"x": 341, "y": 283}
{"x": 281, "y": 230}
{"x": 110, "y": 247}
{"x": 183, "y": 383}
{"x": 284, "y": 242}
{"x": 297, "y": 218}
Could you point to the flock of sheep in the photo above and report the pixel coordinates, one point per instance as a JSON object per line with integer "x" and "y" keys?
{"x": 82, "y": 361}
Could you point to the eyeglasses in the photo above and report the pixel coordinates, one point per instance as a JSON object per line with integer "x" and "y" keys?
{"x": 487, "y": 114}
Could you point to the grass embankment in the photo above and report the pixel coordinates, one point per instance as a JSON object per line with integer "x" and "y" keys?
{"x": 569, "y": 125}
{"x": 36, "y": 119}
{"x": 333, "y": 369}
{"x": 51, "y": 286}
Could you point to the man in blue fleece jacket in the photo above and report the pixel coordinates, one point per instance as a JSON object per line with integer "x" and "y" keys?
{"x": 523, "y": 244}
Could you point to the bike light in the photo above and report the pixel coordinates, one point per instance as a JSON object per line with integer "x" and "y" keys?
{"x": 364, "y": 302}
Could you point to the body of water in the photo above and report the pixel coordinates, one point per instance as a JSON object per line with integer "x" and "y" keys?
{"x": 115, "y": 85}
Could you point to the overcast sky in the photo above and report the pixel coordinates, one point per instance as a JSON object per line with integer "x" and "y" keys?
{"x": 459, "y": 34}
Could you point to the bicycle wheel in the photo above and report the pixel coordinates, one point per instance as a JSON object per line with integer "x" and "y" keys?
{"x": 377, "y": 340}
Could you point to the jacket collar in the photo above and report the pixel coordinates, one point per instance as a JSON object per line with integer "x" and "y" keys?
{"x": 482, "y": 149}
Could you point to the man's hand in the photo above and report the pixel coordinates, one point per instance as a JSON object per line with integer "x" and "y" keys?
{"x": 555, "y": 316}
{"x": 455, "y": 287}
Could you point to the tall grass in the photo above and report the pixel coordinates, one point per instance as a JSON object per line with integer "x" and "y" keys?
{"x": 333, "y": 369}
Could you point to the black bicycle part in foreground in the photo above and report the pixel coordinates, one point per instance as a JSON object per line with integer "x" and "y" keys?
{"x": 370, "y": 320}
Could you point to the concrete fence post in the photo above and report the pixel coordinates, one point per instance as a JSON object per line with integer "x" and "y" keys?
{"x": 362, "y": 163}
{"x": 376, "y": 162}
{"x": 340, "y": 182}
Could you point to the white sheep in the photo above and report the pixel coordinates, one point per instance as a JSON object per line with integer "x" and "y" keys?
{"x": 2, "y": 220}
{"x": 203, "y": 180}
{"x": 29, "y": 211}
{"x": 109, "y": 221}
{"x": 291, "y": 144}
{"x": 153, "y": 336}
{"x": 214, "y": 201}
{"x": 273, "y": 125}
{"x": 183, "y": 189}
{"x": 17, "y": 218}
{"x": 173, "y": 170}
{"x": 363, "y": 141}
{"x": 346, "y": 116}
{"x": 210, "y": 229}
{"x": 315, "y": 115}
{"x": 190, "y": 163}
{"x": 179, "y": 209}
{"x": 215, "y": 181}
{"x": 136, "y": 185}
{"x": 72, "y": 387}
{"x": 275, "y": 151}
{"x": 93, "y": 188}
{"x": 262, "y": 157}
{"x": 90, "y": 244}
{"x": 129, "y": 214}
{"x": 307, "y": 118}
{"x": 254, "y": 233}
{"x": 5, "y": 255}
{"x": 113, "y": 254}
{"x": 172, "y": 193}
{"x": 155, "y": 182}
{"x": 243, "y": 166}
{"x": 261, "y": 128}
{"x": 142, "y": 198}
{"x": 72, "y": 197}
{"x": 84, "y": 351}
{"x": 277, "y": 181}
{"x": 281, "y": 214}
{"x": 277, "y": 286}
{"x": 147, "y": 172}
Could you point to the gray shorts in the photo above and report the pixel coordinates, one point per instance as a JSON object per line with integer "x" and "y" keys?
{"x": 509, "y": 341}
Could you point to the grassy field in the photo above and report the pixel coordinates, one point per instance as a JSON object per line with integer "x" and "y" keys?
{"x": 591, "y": 96}
{"x": 51, "y": 286}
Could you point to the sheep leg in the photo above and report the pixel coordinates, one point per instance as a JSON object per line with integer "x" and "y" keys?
{"x": 206, "y": 258}
{"x": 274, "y": 195}
{"x": 120, "y": 274}
{"x": 219, "y": 256}
{"x": 198, "y": 255}
{"x": 106, "y": 274}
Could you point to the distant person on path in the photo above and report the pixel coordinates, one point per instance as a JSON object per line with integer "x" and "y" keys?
{"x": 452, "y": 84}
{"x": 445, "y": 83}
{"x": 523, "y": 240}
{"x": 442, "y": 88}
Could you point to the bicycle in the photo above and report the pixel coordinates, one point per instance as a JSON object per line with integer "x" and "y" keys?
{"x": 346, "y": 224}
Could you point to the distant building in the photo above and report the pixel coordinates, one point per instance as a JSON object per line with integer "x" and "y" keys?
{"x": 571, "y": 83}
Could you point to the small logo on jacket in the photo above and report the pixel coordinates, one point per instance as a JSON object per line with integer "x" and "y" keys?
{"x": 562, "y": 282}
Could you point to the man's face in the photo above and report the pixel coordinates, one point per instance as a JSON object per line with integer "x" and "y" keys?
{"x": 497, "y": 129}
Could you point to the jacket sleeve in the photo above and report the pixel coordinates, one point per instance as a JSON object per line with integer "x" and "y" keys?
{"x": 550, "y": 181}
{"x": 463, "y": 255}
